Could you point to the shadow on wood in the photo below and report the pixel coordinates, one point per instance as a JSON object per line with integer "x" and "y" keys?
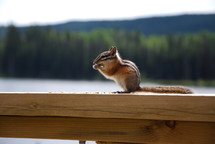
{"x": 117, "y": 130}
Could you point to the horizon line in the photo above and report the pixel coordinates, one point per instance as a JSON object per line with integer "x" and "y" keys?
{"x": 100, "y": 20}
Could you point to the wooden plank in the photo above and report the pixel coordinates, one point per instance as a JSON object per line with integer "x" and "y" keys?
{"x": 130, "y": 106}
{"x": 117, "y": 130}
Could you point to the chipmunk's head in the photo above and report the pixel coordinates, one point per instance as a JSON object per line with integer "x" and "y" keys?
{"x": 106, "y": 59}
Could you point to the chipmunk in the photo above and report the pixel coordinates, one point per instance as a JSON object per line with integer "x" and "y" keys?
{"x": 127, "y": 75}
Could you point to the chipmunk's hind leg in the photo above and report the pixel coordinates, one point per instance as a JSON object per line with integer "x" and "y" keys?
{"x": 132, "y": 84}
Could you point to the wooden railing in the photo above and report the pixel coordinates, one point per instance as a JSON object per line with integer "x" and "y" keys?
{"x": 131, "y": 118}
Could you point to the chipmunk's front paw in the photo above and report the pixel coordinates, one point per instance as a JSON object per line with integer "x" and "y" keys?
{"x": 118, "y": 92}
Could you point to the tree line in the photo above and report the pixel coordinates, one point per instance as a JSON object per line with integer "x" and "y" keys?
{"x": 47, "y": 53}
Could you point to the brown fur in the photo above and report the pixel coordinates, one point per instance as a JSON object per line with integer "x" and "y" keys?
{"x": 167, "y": 89}
{"x": 127, "y": 75}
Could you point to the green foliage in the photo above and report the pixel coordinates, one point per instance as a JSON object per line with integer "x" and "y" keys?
{"x": 11, "y": 51}
{"x": 1, "y": 54}
{"x": 47, "y": 53}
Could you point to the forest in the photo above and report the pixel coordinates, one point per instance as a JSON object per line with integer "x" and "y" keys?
{"x": 48, "y": 53}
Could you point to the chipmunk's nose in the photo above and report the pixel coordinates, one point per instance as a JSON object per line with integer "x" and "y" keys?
{"x": 95, "y": 66}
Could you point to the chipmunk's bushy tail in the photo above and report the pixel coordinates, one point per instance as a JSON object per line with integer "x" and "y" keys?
{"x": 167, "y": 89}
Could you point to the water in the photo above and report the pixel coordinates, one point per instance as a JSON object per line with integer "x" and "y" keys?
{"x": 39, "y": 85}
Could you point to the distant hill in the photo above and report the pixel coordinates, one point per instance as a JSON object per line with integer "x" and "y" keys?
{"x": 153, "y": 25}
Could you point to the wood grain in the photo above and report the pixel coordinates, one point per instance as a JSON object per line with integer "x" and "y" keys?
{"x": 115, "y": 130}
{"x": 129, "y": 106}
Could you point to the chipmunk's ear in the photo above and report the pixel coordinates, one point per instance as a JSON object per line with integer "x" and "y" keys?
{"x": 113, "y": 50}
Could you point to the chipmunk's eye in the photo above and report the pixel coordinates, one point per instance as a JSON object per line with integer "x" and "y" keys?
{"x": 104, "y": 56}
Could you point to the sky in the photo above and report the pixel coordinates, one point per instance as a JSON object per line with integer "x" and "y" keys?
{"x": 28, "y": 12}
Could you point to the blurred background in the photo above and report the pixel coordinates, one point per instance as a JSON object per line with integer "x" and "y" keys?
{"x": 50, "y": 45}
